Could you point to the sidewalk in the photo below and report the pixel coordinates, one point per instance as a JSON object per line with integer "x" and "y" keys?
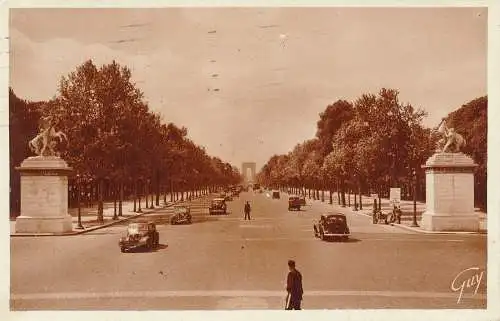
{"x": 89, "y": 217}
{"x": 406, "y": 217}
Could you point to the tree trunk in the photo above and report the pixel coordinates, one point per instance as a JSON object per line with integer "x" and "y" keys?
{"x": 331, "y": 197}
{"x": 100, "y": 205}
{"x": 157, "y": 188}
{"x": 343, "y": 190}
{"x": 120, "y": 200}
{"x": 146, "y": 194}
{"x": 171, "y": 191}
{"x": 139, "y": 210}
{"x": 360, "y": 199}
{"x": 114, "y": 202}
{"x": 135, "y": 196}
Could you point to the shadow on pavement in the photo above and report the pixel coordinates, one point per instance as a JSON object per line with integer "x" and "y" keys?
{"x": 349, "y": 240}
{"x": 145, "y": 250}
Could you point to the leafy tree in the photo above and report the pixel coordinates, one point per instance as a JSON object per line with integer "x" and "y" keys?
{"x": 471, "y": 121}
{"x": 330, "y": 122}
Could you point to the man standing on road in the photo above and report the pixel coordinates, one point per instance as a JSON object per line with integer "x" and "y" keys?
{"x": 294, "y": 287}
{"x": 247, "y": 210}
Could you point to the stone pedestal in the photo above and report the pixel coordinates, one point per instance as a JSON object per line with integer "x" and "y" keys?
{"x": 449, "y": 193}
{"x": 44, "y": 196}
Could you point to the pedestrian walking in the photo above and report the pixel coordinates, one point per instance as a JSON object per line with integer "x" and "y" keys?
{"x": 247, "y": 210}
{"x": 293, "y": 287}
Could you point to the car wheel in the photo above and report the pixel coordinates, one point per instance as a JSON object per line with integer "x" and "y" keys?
{"x": 322, "y": 235}
{"x": 122, "y": 249}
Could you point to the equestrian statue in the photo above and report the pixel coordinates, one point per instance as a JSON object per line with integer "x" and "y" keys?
{"x": 44, "y": 143}
{"x": 451, "y": 141}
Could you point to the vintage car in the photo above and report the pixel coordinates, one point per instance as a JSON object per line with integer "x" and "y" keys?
{"x": 332, "y": 226}
{"x": 294, "y": 203}
{"x": 275, "y": 194}
{"x": 140, "y": 235}
{"x": 217, "y": 206}
{"x": 182, "y": 215}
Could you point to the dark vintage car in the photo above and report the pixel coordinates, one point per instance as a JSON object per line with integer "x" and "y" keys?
{"x": 275, "y": 194}
{"x": 182, "y": 215}
{"x": 217, "y": 206}
{"x": 140, "y": 235}
{"x": 332, "y": 226}
{"x": 294, "y": 203}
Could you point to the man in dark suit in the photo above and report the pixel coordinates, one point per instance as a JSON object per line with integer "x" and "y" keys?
{"x": 294, "y": 287}
{"x": 247, "y": 210}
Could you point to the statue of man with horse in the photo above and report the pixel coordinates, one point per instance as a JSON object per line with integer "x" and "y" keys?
{"x": 451, "y": 141}
{"x": 44, "y": 143}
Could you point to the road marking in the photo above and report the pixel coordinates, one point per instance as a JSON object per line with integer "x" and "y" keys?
{"x": 235, "y": 294}
{"x": 255, "y": 226}
{"x": 311, "y": 238}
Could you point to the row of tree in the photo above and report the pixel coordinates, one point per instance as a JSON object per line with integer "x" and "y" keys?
{"x": 374, "y": 143}
{"x": 115, "y": 143}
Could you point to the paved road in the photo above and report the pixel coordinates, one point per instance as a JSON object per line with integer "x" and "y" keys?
{"x": 225, "y": 262}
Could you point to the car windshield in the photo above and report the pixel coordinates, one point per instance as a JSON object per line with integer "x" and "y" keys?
{"x": 218, "y": 201}
{"x": 137, "y": 228}
{"x": 293, "y": 198}
{"x": 181, "y": 209}
{"x": 335, "y": 219}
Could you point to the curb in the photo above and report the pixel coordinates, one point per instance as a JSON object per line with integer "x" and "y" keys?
{"x": 90, "y": 229}
{"x": 416, "y": 230}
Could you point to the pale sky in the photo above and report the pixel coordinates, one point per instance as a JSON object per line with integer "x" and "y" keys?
{"x": 276, "y": 68}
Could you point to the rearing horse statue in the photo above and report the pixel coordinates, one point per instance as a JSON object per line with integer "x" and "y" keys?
{"x": 43, "y": 144}
{"x": 451, "y": 140}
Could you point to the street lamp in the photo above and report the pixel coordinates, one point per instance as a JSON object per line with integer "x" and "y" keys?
{"x": 414, "y": 223}
{"x": 79, "y": 226}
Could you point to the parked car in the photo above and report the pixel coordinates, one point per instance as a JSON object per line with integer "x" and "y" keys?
{"x": 294, "y": 203}
{"x": 332, "y": 226}
{"x": 140, "y": 235}
{"x": 275, "y": 194}
{"x": 218, "y": 206}
{"x": 182, "y": 215}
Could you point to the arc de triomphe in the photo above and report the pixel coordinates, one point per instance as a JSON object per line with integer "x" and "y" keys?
{"x": 244, "y": 168}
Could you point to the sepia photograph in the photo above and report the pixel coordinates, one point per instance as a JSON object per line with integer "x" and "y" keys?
{"x": 233, "y": 158}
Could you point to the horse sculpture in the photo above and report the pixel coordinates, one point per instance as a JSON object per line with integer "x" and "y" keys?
{"x": 44, "y": 143}
{"x": 451, "y": 140}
